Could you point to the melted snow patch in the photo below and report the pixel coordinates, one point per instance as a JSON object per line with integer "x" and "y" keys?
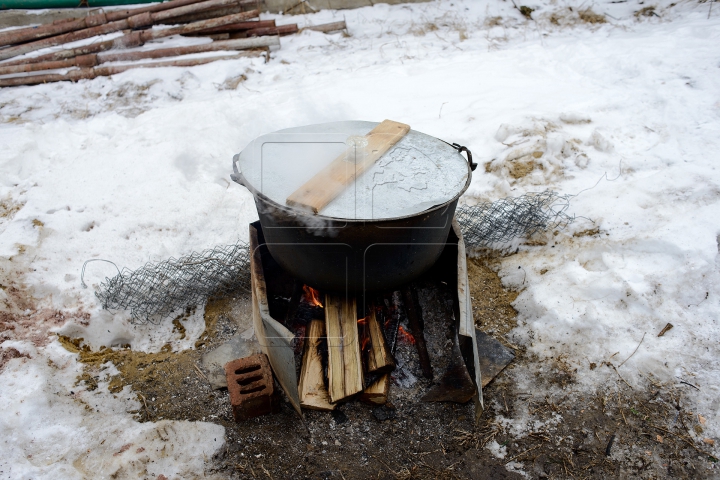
{"x": 51, "y": 429}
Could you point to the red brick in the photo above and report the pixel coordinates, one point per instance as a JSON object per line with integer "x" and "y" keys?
{"x": 251, "y": 387}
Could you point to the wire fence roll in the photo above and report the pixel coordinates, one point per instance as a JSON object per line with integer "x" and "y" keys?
{"x": 494, "y": 224}
{"x": 158, "y": 289}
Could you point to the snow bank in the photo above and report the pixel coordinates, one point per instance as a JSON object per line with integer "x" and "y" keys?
{"x": 52, "y": 429}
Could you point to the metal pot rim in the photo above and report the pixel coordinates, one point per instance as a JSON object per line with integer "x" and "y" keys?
{"x": 238, "y": 177}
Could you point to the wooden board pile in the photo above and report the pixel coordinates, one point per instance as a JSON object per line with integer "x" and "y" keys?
{"x": 231, "y": 25}
{"x": 343, "y": 355}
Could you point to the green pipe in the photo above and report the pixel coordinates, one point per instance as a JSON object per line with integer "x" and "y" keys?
{"x": 39, "y": 4}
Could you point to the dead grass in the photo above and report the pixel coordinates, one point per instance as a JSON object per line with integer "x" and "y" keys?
{"x": 588, "y": 16}
{"x": 233, "y": 83}
{"x": 590, "y": 232}
{"x": 646, "y": 12}
{"x": 522, "y": 167}
{"x": 491, "y": 302}
{"x": 9, "y": 207}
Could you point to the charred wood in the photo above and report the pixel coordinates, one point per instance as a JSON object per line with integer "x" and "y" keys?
{"x": 414, "y": 315}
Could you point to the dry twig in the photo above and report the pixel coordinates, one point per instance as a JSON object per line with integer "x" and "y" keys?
{"x": 633, "y": 353}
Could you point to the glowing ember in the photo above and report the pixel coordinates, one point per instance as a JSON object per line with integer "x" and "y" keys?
{"x": 311, "y": 296}
{"x": 405, "y": 336}
{"x": 362, "y": 321}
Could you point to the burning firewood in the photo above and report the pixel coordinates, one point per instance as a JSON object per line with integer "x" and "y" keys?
{"x": 379, "y": 358}
{"x": 313, "y": 392}
{"x": 345, "y": 376}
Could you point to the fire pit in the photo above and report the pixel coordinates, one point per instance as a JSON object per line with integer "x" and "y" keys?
{"x": 326, "y": 348}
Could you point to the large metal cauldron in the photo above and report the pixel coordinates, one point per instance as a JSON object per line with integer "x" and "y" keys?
{"x": 345, "y": 255}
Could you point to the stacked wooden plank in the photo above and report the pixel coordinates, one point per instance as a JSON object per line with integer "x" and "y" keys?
{"x": 357, "y": 352}
{"x": 230, "y": 25}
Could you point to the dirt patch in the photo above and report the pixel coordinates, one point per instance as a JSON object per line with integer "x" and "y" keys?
{"x": 567, "y": 436}
{"x": 21, "y": 318}
{"x": 7, "y": 354}
{"x": 491, "y": 302}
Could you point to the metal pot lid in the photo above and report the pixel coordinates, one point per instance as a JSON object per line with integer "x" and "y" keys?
{"x": 416, "y": 174}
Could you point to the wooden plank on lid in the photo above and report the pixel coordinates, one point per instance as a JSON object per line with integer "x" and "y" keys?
{"x": 330, "y": 182}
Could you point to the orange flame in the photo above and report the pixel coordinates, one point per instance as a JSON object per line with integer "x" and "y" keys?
{"x": 364, "y": 344}
{"x": 311, "y": 296}
{"x": 405, "y": 335}
{"x": 362, "y": 321}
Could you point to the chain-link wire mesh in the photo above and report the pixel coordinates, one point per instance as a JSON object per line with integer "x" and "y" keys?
{"x": 494, "y": 224}
{"x": 158, "y": 289}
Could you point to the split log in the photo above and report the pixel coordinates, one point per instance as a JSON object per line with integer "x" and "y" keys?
{"x": 377, "y": 392}
{"x": 135, "y": 21}
{"x": 89, "y": 73}
{"x": 412, "y": 308}
{"x": 313, "y": 391}
{"x": 345, "y": 376}
{"x": 135, "y": 39}
{"x": 332, "y": 180}
{"x": 92, "y": 60}
{"x": 279, "y": 30}
{"x": 379, "y": 359}
{"x": 327, "y": 27}
{"x": 27, "y": 34}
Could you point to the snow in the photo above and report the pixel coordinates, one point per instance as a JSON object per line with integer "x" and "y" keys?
{"x": 135, "y": 167}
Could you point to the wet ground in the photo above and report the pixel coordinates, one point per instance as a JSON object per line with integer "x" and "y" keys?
{"x": 617, "y": 433}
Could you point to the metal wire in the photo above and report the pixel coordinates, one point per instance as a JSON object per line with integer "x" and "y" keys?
{"x": 159, "y": 289}
{"x": 495, "y": 224}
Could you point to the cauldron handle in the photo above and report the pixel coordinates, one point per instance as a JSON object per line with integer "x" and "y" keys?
{"x": 461, "y": 149}
{"x": 237, "y": 177}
